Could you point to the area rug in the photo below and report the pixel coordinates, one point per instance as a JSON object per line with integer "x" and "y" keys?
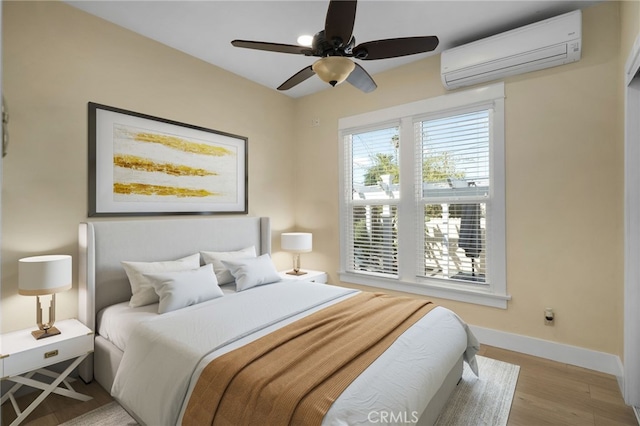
{"x": 111, "y": 414}
{"x": 484, "y": 400}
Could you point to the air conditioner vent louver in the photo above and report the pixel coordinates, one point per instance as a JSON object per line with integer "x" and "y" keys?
{"x": 544, "y": 44}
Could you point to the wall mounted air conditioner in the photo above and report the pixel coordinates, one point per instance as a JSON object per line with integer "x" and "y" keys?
{"x": 544, "y": 44}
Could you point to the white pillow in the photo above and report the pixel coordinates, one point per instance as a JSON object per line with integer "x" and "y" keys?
{"x": 252, "y": 272}
{"x": 216, "y": 257}
{"x": 185, "y": 288}
{"x": 141, "y": 289}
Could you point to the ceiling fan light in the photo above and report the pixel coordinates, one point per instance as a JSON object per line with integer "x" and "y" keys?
{"x": 305, "y": 40}
{"x": 333, "y": 69}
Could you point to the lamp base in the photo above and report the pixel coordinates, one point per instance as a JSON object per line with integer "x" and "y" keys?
{"x": 41, "y": 334}
{"x": 294, "y": 272}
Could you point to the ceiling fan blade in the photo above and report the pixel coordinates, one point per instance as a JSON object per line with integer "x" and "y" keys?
{"x": 361, "y": 79}
{"x": 339, "y": 21}
{"x": 273, "y": 47}
{"x": 297, "y": 78}
{"x": 395, "y": 47}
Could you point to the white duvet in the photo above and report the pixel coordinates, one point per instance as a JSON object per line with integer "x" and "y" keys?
{"x": 165, "y": 354}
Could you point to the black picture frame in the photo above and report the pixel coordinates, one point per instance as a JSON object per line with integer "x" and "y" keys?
{"x": 141, "y": 165}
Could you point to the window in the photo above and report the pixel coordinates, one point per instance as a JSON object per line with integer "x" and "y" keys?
{"x": 453, "y": 180}
{"x": 374, "y": 181}
{"x": 422, "y": 200}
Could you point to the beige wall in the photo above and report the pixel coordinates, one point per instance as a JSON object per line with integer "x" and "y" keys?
{"x": 564, "y": 151}
{"x": 56, "y": 59}
{"x": 564, "y": 158}
{"x": 630, "y": 26}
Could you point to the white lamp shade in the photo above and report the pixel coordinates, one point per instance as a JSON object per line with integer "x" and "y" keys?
{"x": 40, "y": 275}
{"x": 297, "y": 242}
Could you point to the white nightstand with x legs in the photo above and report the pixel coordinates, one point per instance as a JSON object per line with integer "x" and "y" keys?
{"x": 22, "y": 356}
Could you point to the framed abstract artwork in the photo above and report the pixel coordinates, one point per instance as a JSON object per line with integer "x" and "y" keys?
{"x": 145, "y": 165}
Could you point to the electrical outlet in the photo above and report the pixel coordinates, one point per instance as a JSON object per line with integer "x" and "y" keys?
{"x": 315, "y": 122}
{"x": 549, "y": 316}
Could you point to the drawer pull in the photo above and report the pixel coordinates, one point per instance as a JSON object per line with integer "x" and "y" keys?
{"x": 50, "y": 354}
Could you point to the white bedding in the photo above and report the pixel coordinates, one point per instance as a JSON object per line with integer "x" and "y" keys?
{"x": 116, "y": 322}
{"x": 165, "y": 353}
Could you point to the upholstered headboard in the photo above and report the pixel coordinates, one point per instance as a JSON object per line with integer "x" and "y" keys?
{"x": 104, "y": 244}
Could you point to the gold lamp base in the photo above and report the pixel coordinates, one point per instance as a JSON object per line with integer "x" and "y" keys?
{"x": 296, "y": 266}
{"x": 45, "y": 329}
{"x": 41, "y": 334}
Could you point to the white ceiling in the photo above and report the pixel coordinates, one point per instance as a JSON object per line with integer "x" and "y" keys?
{"x": 204, "y": 29}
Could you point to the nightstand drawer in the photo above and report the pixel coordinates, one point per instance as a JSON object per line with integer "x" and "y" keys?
{"x": 48, "y": 354}
{"x": 320, "y": 279}
{"x": 313, "y": 276}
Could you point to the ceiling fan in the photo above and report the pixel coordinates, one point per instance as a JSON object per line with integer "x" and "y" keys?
{"x": 335, "y": 45}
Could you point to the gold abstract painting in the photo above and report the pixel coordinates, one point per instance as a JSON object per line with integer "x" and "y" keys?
{"x": 162, "y": 166}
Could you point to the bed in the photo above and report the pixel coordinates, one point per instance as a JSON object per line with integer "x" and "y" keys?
{"x": 152, "y": 363}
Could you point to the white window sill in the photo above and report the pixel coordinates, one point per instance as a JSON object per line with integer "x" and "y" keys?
{"x": 452, "y": 291}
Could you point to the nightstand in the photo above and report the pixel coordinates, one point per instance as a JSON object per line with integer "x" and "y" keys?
{"x": 22, "y": 356}
{"x": 313, "y": 276}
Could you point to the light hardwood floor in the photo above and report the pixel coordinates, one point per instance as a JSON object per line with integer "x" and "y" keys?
{"x": 547, "y": 393}
{"x": 552, "y": 393}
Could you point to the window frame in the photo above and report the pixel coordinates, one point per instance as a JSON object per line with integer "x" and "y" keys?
{"x": 495, "y": 293}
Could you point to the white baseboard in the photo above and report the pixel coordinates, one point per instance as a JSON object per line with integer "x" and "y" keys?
{"x": 560, "y": 352}
{"x": 637, "y": 411}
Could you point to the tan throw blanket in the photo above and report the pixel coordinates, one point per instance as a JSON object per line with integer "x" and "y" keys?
{"x": 293, "y": 375}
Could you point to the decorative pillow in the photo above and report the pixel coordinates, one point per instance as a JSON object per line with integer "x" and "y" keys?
{"x": 141, "y": 289}
{"x": 216, "y": 257}
{"x": 252, "y": 272}
{"x": 185, "y": 288}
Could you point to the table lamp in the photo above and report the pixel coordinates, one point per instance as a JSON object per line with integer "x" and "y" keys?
{"x": 296, "y": 242}
{"x": 41, "y": 275}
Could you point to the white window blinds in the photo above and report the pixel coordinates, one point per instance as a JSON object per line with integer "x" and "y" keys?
{"x": 371, "y": 207}
{"x": 453, "y": 165}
